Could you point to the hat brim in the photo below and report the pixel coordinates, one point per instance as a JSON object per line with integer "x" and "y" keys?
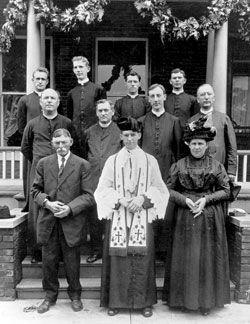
{"x": 10, "y": 216}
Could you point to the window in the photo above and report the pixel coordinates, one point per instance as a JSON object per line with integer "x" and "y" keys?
{"x": 241, "y": 110}
{"x": 241, "y": 100}
{"x": 115, "y": 57}
{"x": 13, "y": 86}
{"x": 241, "y": 116}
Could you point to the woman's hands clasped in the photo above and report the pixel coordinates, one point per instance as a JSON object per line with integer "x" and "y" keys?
{"x": 196, "y": 207}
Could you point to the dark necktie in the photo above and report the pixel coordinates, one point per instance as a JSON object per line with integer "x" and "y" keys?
{"x": 61, "y": 167}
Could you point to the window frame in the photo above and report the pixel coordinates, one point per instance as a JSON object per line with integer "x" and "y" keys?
{"x": 2, "y": 93}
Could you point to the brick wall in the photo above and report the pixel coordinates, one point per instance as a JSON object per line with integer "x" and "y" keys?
{"x": 239, "y": 258}
{"x": 12, "y": 252}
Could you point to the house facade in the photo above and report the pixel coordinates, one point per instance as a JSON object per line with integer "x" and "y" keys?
{"x": 122, "y": 41}
{"x": 125, "y": 40}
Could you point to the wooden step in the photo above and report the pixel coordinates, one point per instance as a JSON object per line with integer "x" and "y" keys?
{"x": 87, "y": 270}
{"x": 32, "y": 288}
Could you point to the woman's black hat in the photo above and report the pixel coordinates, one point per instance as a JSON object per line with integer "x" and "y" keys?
{"x": 202, "y": 128}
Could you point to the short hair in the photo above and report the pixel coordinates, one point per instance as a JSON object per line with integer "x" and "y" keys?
{"x": 61, "y": 131}
{"x": 102, "y": 101}
{"x": 157, "y": 85}
{"x": 81, "y": 58}
{"x": 178, "y": 71}
{"x": 41, "y": 69}
{"x": 132, "y": 73}
{"x": 56, "y": 91}
{"x": 204, "y": 85}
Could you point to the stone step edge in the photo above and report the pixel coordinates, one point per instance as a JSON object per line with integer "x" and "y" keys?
{"x": 26, "y": 262}
{"x": 86, "y": 283}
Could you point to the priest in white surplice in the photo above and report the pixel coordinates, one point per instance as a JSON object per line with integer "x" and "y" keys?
{"x": 130, "y": 195}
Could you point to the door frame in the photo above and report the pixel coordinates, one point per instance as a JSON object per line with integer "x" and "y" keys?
{"x": 122, "y": 39}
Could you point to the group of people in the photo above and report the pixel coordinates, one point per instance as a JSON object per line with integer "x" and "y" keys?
{"x": 148, "y": 176}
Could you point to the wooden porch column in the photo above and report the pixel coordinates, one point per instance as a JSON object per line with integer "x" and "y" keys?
{"x": 42, "y": 39}
{"x": 210, "y": 57}
{"x": 220, "y": 68}
{"x": 33, "y": 46}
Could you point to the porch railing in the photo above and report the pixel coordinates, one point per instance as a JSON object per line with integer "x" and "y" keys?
{"x": 243, "y": 171}
{"x": 11, "y": 165}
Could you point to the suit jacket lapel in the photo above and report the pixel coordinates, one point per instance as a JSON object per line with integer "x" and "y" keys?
{"x": 54, "y": 168}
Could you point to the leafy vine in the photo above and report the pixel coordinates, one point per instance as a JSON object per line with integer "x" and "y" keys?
{"x": 172, "y": 27}
{"x": 69, "y": 19}
{"x": 88, "y": 11}
{"x": 15, "y": 15}
{"x": 53, "y": 17}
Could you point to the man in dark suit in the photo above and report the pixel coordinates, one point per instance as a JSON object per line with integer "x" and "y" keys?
{"x": 102, "y": 141}
{"x": 36, "y": 144}
{"x": 162, "y": 137}
{"x": 132, "y": 105}
{"x": 63, "y": 191}
{"x": 81, "y": 101}
{"x": 224, "y": 147}
{"x": 28, "y": 107}
{"x": 161, "y": 134}
{"x": 178, "y": 102}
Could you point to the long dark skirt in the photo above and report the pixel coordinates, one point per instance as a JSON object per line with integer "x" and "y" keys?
{"x": 169, "y": 225}
{"x": 128, "y": 282}
{"x": 200, "y": 268}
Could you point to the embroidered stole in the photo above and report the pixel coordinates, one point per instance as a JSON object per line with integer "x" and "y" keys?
{"x": 129, "y": 231}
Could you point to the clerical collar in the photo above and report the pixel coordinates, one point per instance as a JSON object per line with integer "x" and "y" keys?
{"x": 39, "y": 93}
{"x": 59, "y": 158}
{"x": 105, "y": 125}
{"x": 50, "y": 117}
{"x": 133, "y": 96}
{"x": 82, "y": 82}
{"x": 177, "y": 92}
{"x": 206, "y": 112}
{"x": 158, "y": 113}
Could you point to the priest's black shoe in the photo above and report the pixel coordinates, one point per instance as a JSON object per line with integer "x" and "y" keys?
{"x": 147, "y": 312}
{"x": 76, "y": 305}
{"x": 36, "y": 257}
{"x": 113, "y": 311}
{"x": 204, "y": 311}
{"x": 93, "y": 258}
{"x": 45, "y": 306}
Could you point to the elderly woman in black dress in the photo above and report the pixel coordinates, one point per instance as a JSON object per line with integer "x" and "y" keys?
{"x": 198, "y": 185}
